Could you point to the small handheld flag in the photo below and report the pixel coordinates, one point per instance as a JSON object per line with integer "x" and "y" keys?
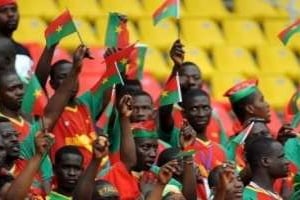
{"x": 172, "y": 92}
{"x": 117, "y": 34}
{"x": 59, "y": 28}
{"x": 136, "y": 64}
{"x": 170, "y": 8}
{"x": 122, "y": 54}
{"x": 286, "y": 34}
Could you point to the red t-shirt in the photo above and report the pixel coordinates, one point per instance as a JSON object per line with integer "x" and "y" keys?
{"x": 126, "y": 184}
{"x": 75, "y": 127}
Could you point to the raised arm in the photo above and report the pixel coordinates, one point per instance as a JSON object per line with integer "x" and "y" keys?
{"x": 85, "y": 186}
{"x": 127, "y": 146}
{"x": 20, "y": 186}
{"x": 189, "y": 179}
{"x": 166, "y": 122}
{"x": 44, "y": 66}
{"x": 164, "y": 176}
{"x": 62, "y": 95}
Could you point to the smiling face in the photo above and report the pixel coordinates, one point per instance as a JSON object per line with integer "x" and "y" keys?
{"x": 9, "y": 19}
{"x": 197, "y": 111}
{"x": 146, "y": 152}
{"x": 12, "y": 91}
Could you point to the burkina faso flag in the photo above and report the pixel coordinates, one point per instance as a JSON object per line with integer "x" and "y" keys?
{"x": 117, "y": 34}
{"x": 136, "y": 64}
{"x": 34, "y": 100}
{"x": 169, "y": 8}
{"x": 286, "y": 34}
{"x": 171, "y": 93}
{"x": 103, "y": 120}
{"x": 59, "y": 28}
{"x": 110, "y": 77}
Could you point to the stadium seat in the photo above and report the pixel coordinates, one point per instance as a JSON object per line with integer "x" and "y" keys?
{"x": 32, "y": 8}
{"x": 274, "y": 26}
{"x": 87, "y": 9}
{"x": 30, "y": 30}
{"x": 221, "y": 82}
{"x": 288, "y": 8}
{"x": 204, "y": 33}
{"x": 256, "y": 9}
{"x": 277, "y": 90}
{"x": 161, "y": 36}
{"x": 131, "y": 8}
{"x": 278, "y": 60}
{"x": 214, "y": 9}
{"x": 101, "y": 25}
{"x": 88, "y": 35}
{"x": 234, "y": 60}
{"x": 243, "y": 32}
{"x": 156, "y": 65}
{"x": 199, "y": 57}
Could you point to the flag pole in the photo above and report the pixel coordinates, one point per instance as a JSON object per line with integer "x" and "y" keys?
{"x": 178, "y": 19}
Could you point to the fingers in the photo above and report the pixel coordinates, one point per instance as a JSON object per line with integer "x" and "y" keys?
{"x": 126, "y": 100}
{"x": 110, "y": 51}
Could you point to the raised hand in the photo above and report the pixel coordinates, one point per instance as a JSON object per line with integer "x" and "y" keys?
{"x": 177, "y": 53}
{"x": 100, "y": 147}
{"x": 80, "y": 53}
{"x": 43, "y": 142}
{"x": 187, "y": 134}
{"x": 109, "y": 51}
{"x": 125, "y": 106}
{"x": 166, "y": 171}
{"x": 286, "y": 132}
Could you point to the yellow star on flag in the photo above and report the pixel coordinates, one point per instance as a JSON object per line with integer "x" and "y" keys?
{"x": 164, "y": 93}
{"x": 59, "y": 28}
{"x": 124, "y": 61}
{"x": 104, "y": 80}
{"x": 118, "y": 29}
{"x": 37, "y": 93}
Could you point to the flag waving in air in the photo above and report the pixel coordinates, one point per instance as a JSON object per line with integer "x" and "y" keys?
{"x": 117, "y": 34}
{"x": 170, "y": 8}
{"x": 59, "y": 28}
{"x": 171, "y": 93}
{"x": 136, "y": 64}
{"x": 286, "y": 34}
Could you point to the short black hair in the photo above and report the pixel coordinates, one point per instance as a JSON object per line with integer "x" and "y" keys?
{"x": 5, "y": 73}
{"x": 214, "y": 176}
{"x": 141, "y": 93}
{"x": 188, "y": 95}
{"x": 258, "y": 148}
{"x": 167, "y": 155}
{"x": 68, "y": 149}
{"x": 129, "y": 87}
{"x": 239, "y": 107}
{"x": 56, "y": 64}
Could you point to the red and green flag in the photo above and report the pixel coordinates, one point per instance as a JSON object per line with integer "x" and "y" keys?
{"x": 136, "y": 64}
{"x": 103, "y": 121}
{"x": 120, "y": 56}
{"x": 117, "y": 34}
{"x": 34, "y": 99}
{"x": 171, "y": 93}
{"x": 144, "y": 129}
{"x": 170, "y": 8}
{"x": 110, "y": 77}
{"x": 286, "y": 34}
{"x": 59, "y": 28}
{"x": 238, "y": 140}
